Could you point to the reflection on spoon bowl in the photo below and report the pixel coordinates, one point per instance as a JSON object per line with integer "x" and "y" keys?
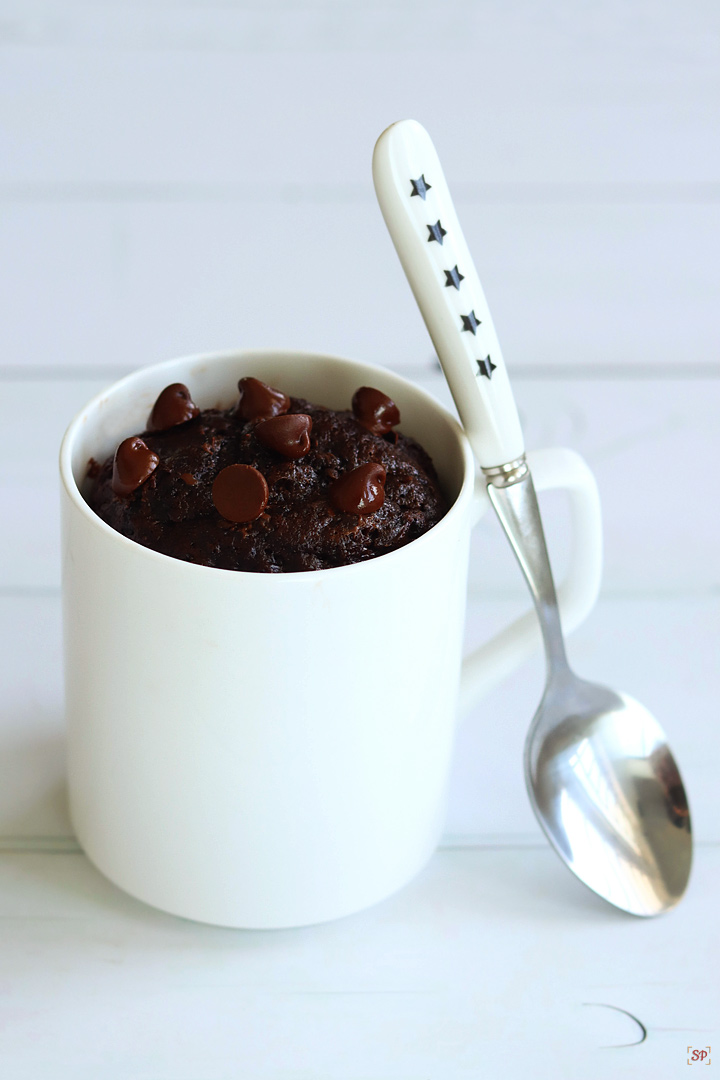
{"x": 607, "y": 791}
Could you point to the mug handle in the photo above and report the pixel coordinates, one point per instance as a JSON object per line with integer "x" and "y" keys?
{"x": 491, "y": 662}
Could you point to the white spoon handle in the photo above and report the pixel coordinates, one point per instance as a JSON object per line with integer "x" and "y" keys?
{"x": 420, "y": 216}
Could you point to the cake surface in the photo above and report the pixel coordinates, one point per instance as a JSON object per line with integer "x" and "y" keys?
{"x": 273, "y": 484}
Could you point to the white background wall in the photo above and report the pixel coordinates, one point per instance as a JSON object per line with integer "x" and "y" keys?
{"x": 179, "y": 177}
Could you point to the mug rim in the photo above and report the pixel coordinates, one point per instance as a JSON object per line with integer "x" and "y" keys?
{"x": 72, "y": 489}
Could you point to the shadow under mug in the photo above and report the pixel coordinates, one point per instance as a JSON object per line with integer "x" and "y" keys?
{"x": 272, "y": 750}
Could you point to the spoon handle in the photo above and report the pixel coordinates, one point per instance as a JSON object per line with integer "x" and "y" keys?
{"x": 421, "y": 219}
{"x": 422, "y": 222}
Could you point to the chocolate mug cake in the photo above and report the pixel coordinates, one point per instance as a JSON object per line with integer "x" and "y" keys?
{"x": 273, "y": 484}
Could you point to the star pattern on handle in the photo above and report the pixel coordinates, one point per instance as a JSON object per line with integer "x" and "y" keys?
{"x": 485, "y": 367}
{"x": 470, "y": 322}
{"x": 453, "y": 277}
{"x": 436, "y": 232}
{"x": 420, "y": 187}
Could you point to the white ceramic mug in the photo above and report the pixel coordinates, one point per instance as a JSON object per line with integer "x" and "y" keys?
{"x": 271, "y": 750}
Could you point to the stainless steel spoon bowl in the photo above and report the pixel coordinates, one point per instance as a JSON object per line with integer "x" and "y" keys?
{"x": 599, "y": 773}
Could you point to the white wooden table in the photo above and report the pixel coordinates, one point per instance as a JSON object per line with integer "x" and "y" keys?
{"x": 182, "y": 177}
{"x": 492, "y": 963}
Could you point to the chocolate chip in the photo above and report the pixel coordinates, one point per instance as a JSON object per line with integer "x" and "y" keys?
{"x": 188, "y": 478}
{"x": 174, "y": 406}
{"x": 375, "y": 410}
{"x": 258, "y": 401}
{"x": 240, "y": 493}
{"x": 134, "y": 462}
{"x": 288, "y": 435}
{"x": 361, "y": 491}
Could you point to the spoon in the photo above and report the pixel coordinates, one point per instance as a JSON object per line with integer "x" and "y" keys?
{"x": 600, "y": 775}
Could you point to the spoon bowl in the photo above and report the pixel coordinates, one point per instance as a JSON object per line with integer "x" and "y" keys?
{"x": 606, "y": 790}
{"x": 600, "y": 776}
